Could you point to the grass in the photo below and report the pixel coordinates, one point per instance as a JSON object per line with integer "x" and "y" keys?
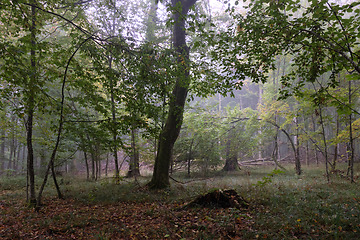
{"x": 283, "y": 205}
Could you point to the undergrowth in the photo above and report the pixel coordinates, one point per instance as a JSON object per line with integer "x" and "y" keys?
{"x": 282, "y": 204}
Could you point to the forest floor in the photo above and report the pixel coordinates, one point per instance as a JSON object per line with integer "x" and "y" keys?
{"x": 69, "y": 219}
{"x": 282, "y": 206}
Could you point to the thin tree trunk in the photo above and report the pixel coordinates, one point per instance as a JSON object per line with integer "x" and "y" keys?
{"x": 17, "y": 159}
{"x": 92, "y": 165}
{"x": 325, "y": 144}
{"x": 275, "y": 154}
{"x": 297, "y": 152}
{"x": 60, "y": 196}
{"x": 307, "y": 159}
{"x": 293, "y": 146}
{"x": 106, "y": 164}
{"x": 60, "y": 127}
{"x": 2, "y": 151}
{"x": 114, "y": 131}
{"x": 24, "y": 158}
{"x": 11, "y": 147}
{"x": 307, "y": 156}
{"x": 134, "y": 167}
{"x": 351, "y": 142}
{"x": 98, "y": 161}
{"x": 315, "y": 150}
{"x": 30, "y": 109}
{"x": 333, "y": 165}
{"x": 87, "y": 166}
{"x": 190, "y": 156}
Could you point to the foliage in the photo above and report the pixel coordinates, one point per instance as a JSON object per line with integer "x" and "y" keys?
{"x": 321, "y": 37}
{"x": 269, "y": 177}
{"x": 199, "y": 139}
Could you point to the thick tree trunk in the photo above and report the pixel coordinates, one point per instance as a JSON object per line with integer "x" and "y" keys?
{"x": 171, "y": 130}
{"x": 231, "y": 163}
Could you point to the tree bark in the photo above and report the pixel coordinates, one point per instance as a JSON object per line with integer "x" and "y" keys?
{"x": 30, "y": 109}
{"x": 87, "y": 166}
{"x": 297, "y": 152}
{"x": 322, "y": 124}
{"x": 190, "y": 157}
{"x": 2, "y": 151}
{"x": 351, "y": 141}
{"x": 171, "y": 130}
{"x": 231, "y": 163}
{"x": 114, "y": 131}
{"x": 134, "y": 167}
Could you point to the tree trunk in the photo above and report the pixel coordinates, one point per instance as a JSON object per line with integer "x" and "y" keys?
{"x": 2, "y": 151}
{"x": 297, "y": 152}
{"x": 293, "y": 146}
{"x": 87, "y": 166}
{"x": 151, "y": 22}
{"x": 98, "y": 162}
{"x": 315, "y": 150}
{"x": 322, "y": 124}
{"x": 231, "y": 163}
{"x": 17, "y": 158}
{"x": 114, "y": 130}
{"x": 333, "y": 164}
{"x": 60, "y": 196}
{"x": 12, "y": 144}
{"x": 24, "y": 158}
{"x": 30, "y": 109}
{"x": 190, "y": 157}
{"x": 106, "y": 164}
{"x": 351, "y": 142}
{"x": 171, "y": 130}
{"x": 92, "y": 165}
{"x": 134, "y": 167}
{"x": 92, "y": 156}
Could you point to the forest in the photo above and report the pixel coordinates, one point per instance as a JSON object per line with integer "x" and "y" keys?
{"x": 179, "y": 119}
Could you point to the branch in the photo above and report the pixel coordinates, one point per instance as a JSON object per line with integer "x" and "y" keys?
{"x": 342, "y": 53}
{"x": 60, "y": 16}
{"x": 343, "y": 28}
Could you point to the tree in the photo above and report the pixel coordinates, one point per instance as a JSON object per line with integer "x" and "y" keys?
{"x": 321, "y": 38}
{"x": 30, "y": 104}
{"x": 169, "y": 134}
{"x": 198, "y": 143}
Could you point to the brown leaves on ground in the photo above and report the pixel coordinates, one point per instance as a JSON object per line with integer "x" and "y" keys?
{"x": 68, "y": 219}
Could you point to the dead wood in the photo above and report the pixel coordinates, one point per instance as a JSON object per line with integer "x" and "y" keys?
{"x": 219, "y": 199}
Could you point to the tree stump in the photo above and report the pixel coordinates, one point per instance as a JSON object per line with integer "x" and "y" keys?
{"x": 220, "y": 199}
